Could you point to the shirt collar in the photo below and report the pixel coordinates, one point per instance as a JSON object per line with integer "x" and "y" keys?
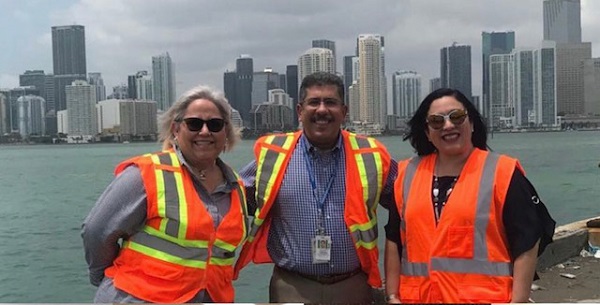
{"x": 311, "y": 149}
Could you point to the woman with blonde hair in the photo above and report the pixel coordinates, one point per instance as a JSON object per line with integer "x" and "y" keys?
{"x": 167, "y": 227}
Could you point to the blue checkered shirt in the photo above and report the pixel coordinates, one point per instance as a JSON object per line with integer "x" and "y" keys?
{"x": 295, "y": 215}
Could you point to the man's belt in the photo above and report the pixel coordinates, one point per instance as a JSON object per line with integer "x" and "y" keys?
{"x": 327, "y": 279}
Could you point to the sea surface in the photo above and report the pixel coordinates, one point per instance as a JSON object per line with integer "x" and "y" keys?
{"x": 47, "y": 190}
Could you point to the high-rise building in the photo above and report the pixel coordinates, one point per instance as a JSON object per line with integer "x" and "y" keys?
{"x": 562, "y": 21}
{"x": 12, "y": 110}
{"x": 3, "y": 114}
{"x": 315, "y": 60}
{"x": 128, "y": 118}
{"x": 351, "y": 73}
{"x": 291, "y": 87}
{"x": 132, "y": 86}
{"x": 143, "y": 86}
{"x": 455, "y": 68}
{"x": 326, "y": 44}
{"x": 569, "y": 76}
{"x": 95, "y": 79}
{"x": 406, "y": 93}
{"x": 244, "y": 69}
{"x": 523, "y": 90}
{"x": 591, "y": 86}
{"x": 163, "y": 81}
{"x": 434, "y": 84}
{"x": 81, "y": 110}
{"x": 493, "y": 43}
{"x": 229, "y": 81}
{"x": 35, "y": 78}
{"x": 69, "y": 60}
{"x": 262, "y": 82}
{"x": 372, "y": 83}
{"x": 32, "y": 115}
{"x": 49, "y": 88}
{"x": 501, "y": 95}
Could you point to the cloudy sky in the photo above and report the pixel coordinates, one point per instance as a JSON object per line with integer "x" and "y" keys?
{"x": 205, "y": 37}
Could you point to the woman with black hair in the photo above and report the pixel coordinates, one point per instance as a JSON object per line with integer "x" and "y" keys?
{"x": 468, "y": 226}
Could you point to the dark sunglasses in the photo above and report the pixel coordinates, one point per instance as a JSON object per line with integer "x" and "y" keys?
{"x": 456, "y": 117}
{"x": 196, "y": 124}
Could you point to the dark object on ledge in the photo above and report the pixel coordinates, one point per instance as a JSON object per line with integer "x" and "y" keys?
{"x": 594, "y": 223}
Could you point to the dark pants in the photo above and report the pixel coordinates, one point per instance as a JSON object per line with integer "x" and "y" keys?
{"x": 290, "y": 287}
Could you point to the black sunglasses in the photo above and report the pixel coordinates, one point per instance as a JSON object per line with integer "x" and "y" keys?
{"x": 456, "y": 117}
{"x": 196, "y": 124}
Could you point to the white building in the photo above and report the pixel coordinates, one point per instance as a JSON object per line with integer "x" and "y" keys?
{"x": 32, "y": 115}
{"x": 315, "y": 60}
{"x": 143, "y": 87}
{"x": 406, "y": 93}
{"x": 62, "y": 121}
{"x": 81, "y": 106}
{"x": 372, "y": 82}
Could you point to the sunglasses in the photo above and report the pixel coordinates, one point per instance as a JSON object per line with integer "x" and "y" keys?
{"x": 456, "y": 117}
{"x": 196, "y": 124}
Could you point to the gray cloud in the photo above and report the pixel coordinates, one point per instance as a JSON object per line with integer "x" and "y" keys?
{"x": 205, "y": 37}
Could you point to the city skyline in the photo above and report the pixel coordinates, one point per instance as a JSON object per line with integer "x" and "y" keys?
{"x": 204, "y": 38}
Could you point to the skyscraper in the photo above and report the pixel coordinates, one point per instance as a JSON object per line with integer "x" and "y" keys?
{"x": 68, "y": 58}
{"x": 372, "y": 88}
{"x": 163, "y": 81}
{"x": 493, "y": 43}
{"x": 291, "y": 83}
{"x": 406, "y": 93}
{"x": 315, "y": 60}
{"x": 350, "y": 73}
{"x": 591, "y": 85}
{"x": 81, "y": 107}
{"x": 262, "y": 82}
{"x": 95, "y": 79}
{"x": 455, "y": 68}
{"x": 326, "y": 44}
{"x": 562, "y": 21}
{"x": 244, "y": 69}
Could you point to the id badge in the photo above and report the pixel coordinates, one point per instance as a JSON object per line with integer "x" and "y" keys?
{"x": 321, "y": 249}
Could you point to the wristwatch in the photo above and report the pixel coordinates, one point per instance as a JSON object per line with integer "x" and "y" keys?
{"x": 389, "y": 297}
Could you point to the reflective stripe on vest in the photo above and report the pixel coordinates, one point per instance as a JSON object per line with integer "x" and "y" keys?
{"x": 479, "y": 264}
{"x": 169, "y": 243}
{"x": 370, "y": 169}
{"x": 271, "y": 163}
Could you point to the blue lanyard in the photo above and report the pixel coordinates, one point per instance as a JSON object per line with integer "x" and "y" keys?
{"x": 313, "y": 182}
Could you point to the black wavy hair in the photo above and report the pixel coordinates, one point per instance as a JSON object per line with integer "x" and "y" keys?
{"x": 417, "y": 124}
{"x": 321, "y": 79}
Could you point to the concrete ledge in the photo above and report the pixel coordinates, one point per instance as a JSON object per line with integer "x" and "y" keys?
{"x": 567, "y": 244}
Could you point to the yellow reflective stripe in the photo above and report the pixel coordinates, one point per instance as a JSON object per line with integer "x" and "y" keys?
{"x": 222, "y": 261}
{"x": 183, "y": 211}
{"x": 164, "y": 256}
{"x": 224, "y": 245}
{"x": 368, "y": 245}
{"x": 160, "y": 192}
{"x": 364, "y": 226}
{"x": 190, "y": 243}
{"x": 379, "y": 165}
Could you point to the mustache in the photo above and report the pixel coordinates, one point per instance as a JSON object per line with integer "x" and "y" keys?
{"x": 321, "y": 117}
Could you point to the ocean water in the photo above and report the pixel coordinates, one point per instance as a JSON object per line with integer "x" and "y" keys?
{"x": 46, "y": 192}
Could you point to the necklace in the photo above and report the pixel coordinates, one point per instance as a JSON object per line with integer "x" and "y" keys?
{"x": 436, "y": 198}
{"x": 202, "y": 175}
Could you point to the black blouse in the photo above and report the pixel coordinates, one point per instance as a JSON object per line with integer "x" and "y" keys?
{"x": 526, "y": 218}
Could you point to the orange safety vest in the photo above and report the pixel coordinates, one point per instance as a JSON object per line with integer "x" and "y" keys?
{"x": 465, "y": 258}
{"x": 178, "y": 252}
{"x": 367, "y": 166}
